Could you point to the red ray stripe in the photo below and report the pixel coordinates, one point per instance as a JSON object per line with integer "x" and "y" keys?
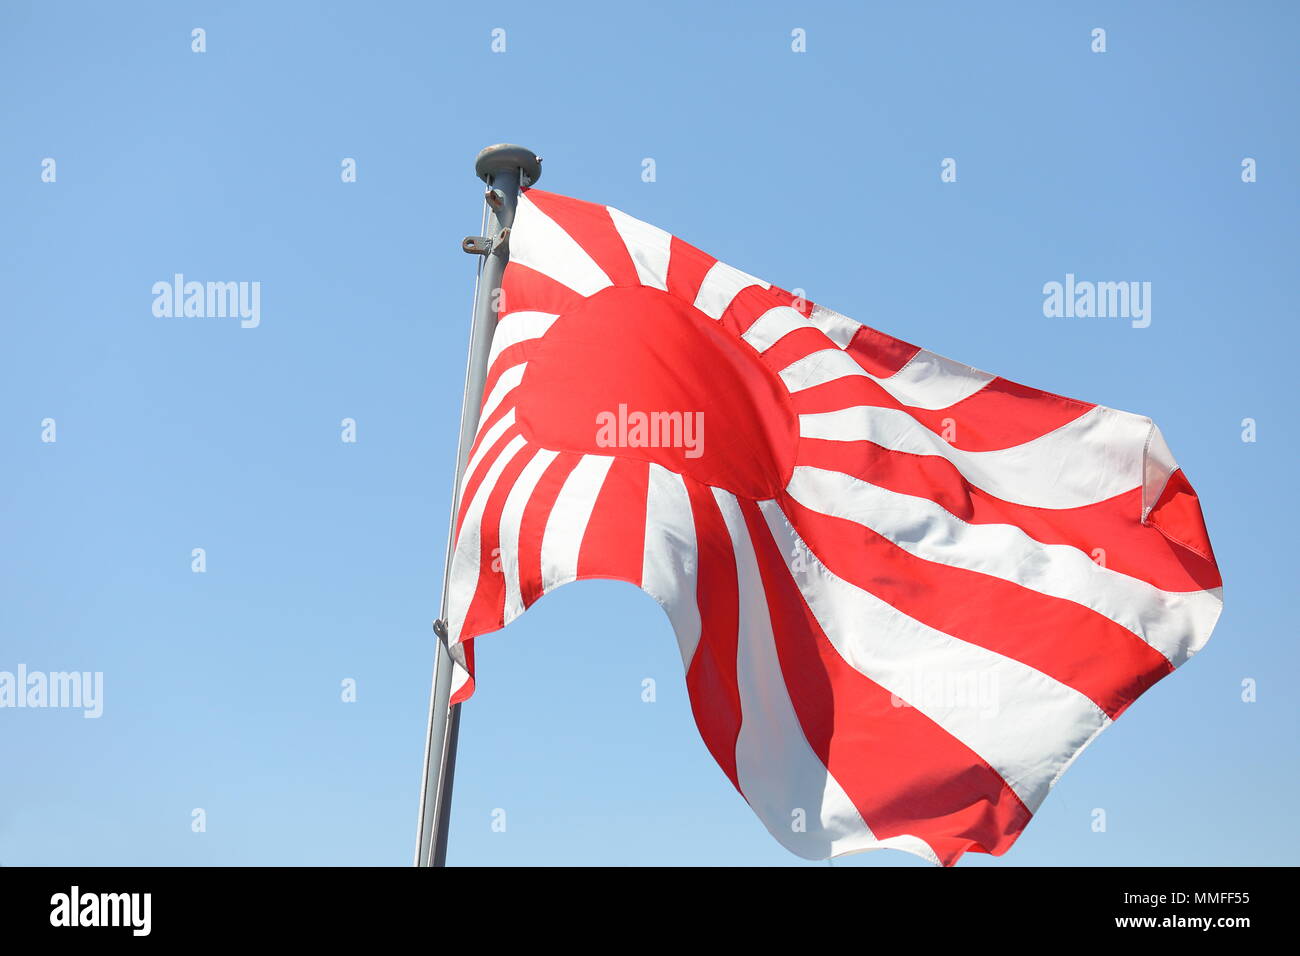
{"x": 903, "y": 772}
{"x": 749, "y": 303}
{"x": 486, "y": 611}
{"x": 486, "y": 425}
{"x": 711, "y": 678}
{"x": 1000, "y": 415}
{"x": 779, "y": 296}
{"x": 592, "y": 228}
{"x": 467, "y": 689}
{"x": 1077, "y": 646}
{"x": 878, "y": 353}
{"x": 479, "y": 473}
{"x": 524, "y": 351}
{"x": 795, "y": 345}
{"x": 527, "y": 290}
{"x": 687, "y": 267}
{"x": 1114, "y": 525}
{"x": 533, "y": 524}
{"x": 613, "y": 545}
{"x": 1177, "y": 515}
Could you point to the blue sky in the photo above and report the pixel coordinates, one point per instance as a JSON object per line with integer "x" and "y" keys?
{"x": 818, "y": 170}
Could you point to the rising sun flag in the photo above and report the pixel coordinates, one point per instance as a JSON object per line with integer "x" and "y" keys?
{"x": 907, "y": 593}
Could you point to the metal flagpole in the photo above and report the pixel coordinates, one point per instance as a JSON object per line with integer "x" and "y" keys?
{"x": 506, "y": 169}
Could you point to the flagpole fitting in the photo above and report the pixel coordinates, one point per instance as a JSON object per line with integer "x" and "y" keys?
{"x": 485, "y": 245}
{"x": 505, "y": 157}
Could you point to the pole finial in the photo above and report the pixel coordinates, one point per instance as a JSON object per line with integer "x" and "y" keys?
{"x": 505, "y": 156}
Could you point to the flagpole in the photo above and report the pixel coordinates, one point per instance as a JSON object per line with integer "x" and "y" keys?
{"x": 506, "y": 169}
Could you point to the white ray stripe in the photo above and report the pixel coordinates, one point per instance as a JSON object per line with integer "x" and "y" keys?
{"x": 840, "y": 329}
{"x": 459, "y": 678}
{"x": 512, "y": 515}
{"x": 1095, "y": 457}
{"x": 1039, "y": 723}
{"x": 669, "y": 565}
{"x": 818, "y": 368}
{"x": 465, "y": 559}
{"x": 509, "y": 379}
{"x": 484, "y": 446}
{"x": 776, "y": 323}
{"x": 773, "y": 325}
{"x": 460, "y": 675}
{"x": 515, "y": 328}
{"x": 720, "y": 286}
{"x": 931, "y": 383}
{"x": 776, "y": 767}
{"x": 562, "y": 539}
{"x": 539, "y": 242}
{"x": 649, "y": 246}
{"x": 1177, "y": 624}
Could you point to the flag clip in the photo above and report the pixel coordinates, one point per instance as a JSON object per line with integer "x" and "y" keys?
{"x": 440, "y": 628}
{"x": 483, "y": 246}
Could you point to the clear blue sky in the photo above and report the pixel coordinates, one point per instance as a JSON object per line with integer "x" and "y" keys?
{"x": 817, "y": 170}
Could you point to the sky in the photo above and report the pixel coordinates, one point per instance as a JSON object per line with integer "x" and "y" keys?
{"x": 224, "y": 736}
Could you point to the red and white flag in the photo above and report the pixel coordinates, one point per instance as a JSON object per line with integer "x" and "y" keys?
{"x": 907, "y": 593}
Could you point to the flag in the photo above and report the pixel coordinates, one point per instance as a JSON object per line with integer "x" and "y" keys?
{"x": 907, "y": 593}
